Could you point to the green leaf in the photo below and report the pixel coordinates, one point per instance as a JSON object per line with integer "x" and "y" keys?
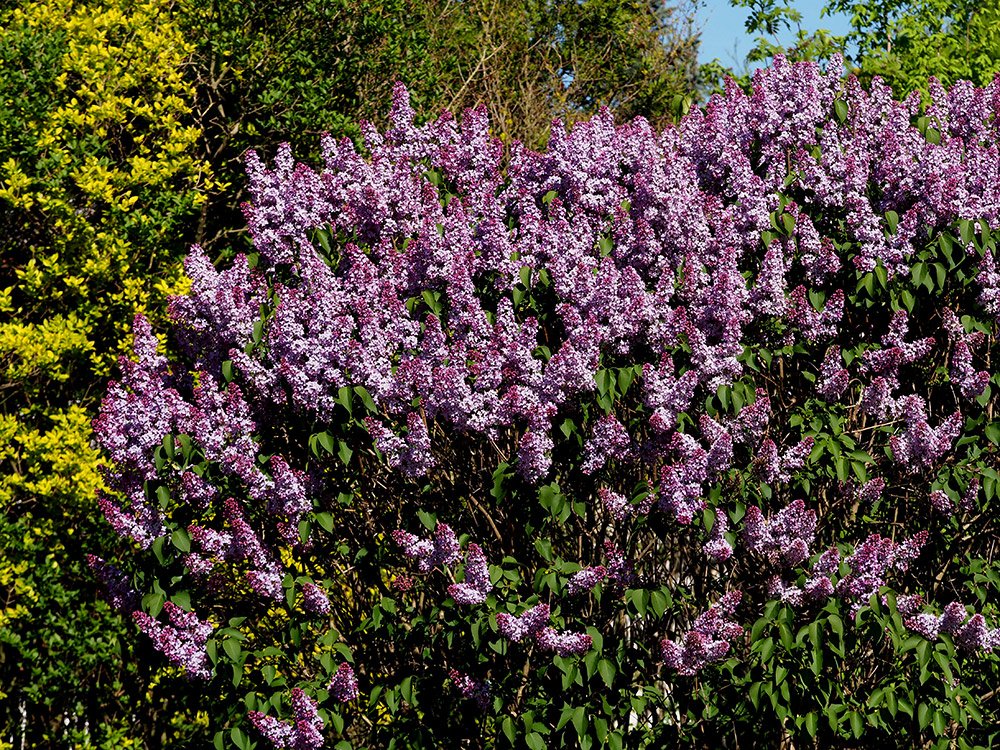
{"x": 240, "y": 738}
{"x": 534, "y": 741}
{"x": 607, "y": 670}
{"x": 857, "y": 724}
{"x": 345, "y": 453}
{"x": 181, "y": 540}
{"x": 840, "y": 110}
{"x": 507, "y": 727}
{"x": 923, "y": 715}
{"x": 233, "y": 649}
{"x": 812, "y": 723}
{"x": 325, "y": 439}
{"x": 325, "y": 520}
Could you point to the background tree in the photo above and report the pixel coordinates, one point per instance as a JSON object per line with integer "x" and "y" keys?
{"x": 904, "y": 43}
{"x": 908, "y": 42}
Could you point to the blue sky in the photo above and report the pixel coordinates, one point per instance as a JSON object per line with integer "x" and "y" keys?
{"x": 724, "y": 36}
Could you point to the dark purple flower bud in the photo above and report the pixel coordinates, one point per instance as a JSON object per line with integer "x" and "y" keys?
{"x": 117, "y": 586}
{"x": 942, "y": 503}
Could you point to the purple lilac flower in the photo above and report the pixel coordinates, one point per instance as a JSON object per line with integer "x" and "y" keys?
{"x": 971, "y": 382}
{"x": 681, "y": 483}
{"x": 971, "y": 636}
{"x": 752, "y": 420}
{"x": 609, "y": 439}
{"x": 968, "y": 502}
{"x": 343, "y": 686}
{"x": 563, "y": 643}
{"x": 988, "y": 280}
{"x": 871, "y": 491}
{"x": 617, "y": 505}
{"x": 584, "y": 581}
{"x": 718, "y": 547}
{"x": 182, "y": 642}
{"x": 942, "y": 503}
{"x": 774, "y": 468}
{"x": 315, "y": 599}
{"x": 620, "y": 572}
{"x": 785, "y": 538}
{"x": 477, "y": 690}
{"x": 709, "y": 639}
{"x": 442, "y": 550}
{"x": 877, "y": 400}
{"x": 919, "y": 447}
{"x": 871, "y": 564}
{"x": 533, "y": 455}
{"x": 666, "y": 393}
{"x": 476, "y": 586}
{"x": 527, "y": 624}
{"x": 833, "y": 378}
{"x": 304, "y": 734}
{"x": 117, "y": 586}
{"x": 196, "y": 491}
{"x": 777, "y": 588}
{"x": 815, "y": 325}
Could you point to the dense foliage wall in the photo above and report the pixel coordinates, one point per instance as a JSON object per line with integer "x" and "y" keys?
{"x": 648, "y": 439}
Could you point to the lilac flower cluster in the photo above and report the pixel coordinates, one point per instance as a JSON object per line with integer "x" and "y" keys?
{"x": 708, "y": 640}
{"x": 774, "y": 468}
{"x": 343, "y": 686}
{"x": 182, "y": 642}
{"x": 919, "y": 447}
{"x": 476, "y": 586}
{"x": 871, "y": 564}
{"x": 970, "y": 634}
{"x": 785, "y": 538}
{"x": 718, "y": 547}
{"x": 818, "y": 585}
{"x": 305, "y": 733}
{"x": 495, "y": 314}
{"x": 479, "y": 373}
{"x": 117, "y": 586}
{"x": 533, "y": 623}
{"x": 585, "y": 580}
{"x": 443, "y": 549}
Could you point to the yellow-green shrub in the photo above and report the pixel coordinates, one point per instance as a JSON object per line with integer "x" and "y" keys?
{"x": 101, "y": 187}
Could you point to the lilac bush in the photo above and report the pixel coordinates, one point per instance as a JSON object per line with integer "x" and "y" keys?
{"x": 673, "y": 437}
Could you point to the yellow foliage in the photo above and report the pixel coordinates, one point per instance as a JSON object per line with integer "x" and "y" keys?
{"x": 101, "y": 184}
{"x": 57, "y": 463}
